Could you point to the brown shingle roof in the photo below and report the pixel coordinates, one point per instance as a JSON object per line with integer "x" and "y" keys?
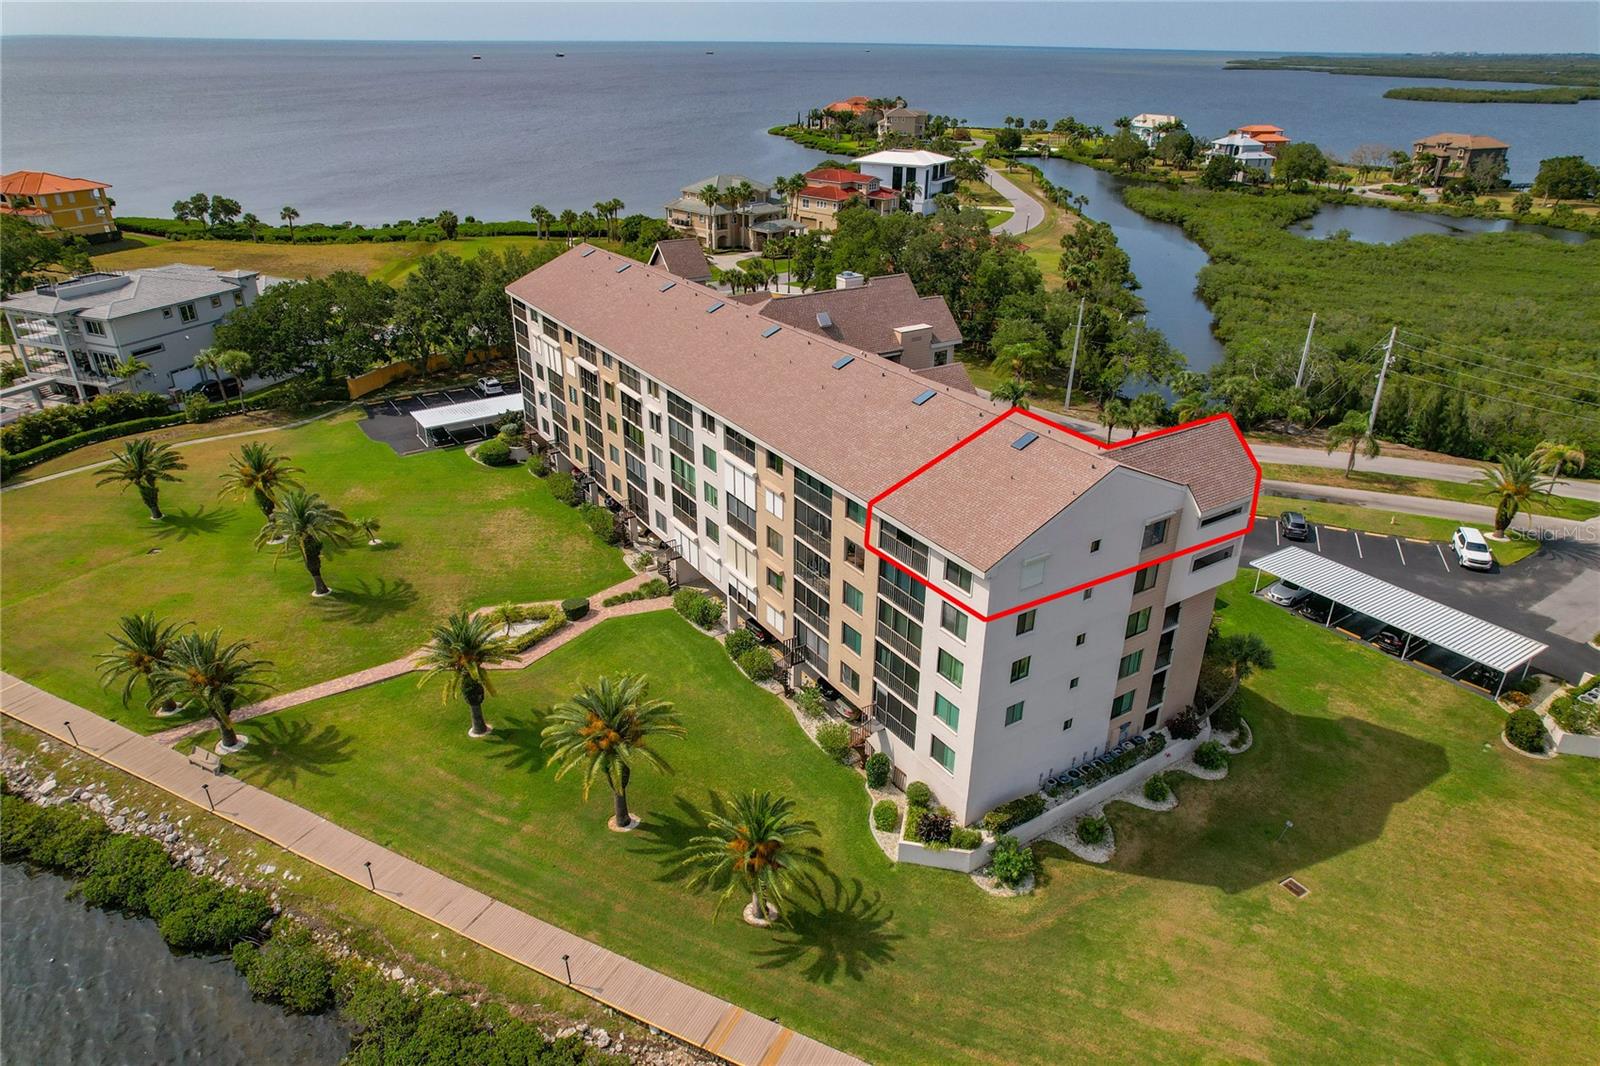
{"x": 1207, "y": 456}
{"x": 952, "y": 375}
{"x": 1464, "y": 140}
{"x": 682, "y": 257}
{"x": 866, "y": 317}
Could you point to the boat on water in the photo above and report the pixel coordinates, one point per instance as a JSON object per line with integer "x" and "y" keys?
{"x": 561, "y": 55}
{"x": 477, "y": 57}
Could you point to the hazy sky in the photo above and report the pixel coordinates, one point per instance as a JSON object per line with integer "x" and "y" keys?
{"x": 1287, "y": 25}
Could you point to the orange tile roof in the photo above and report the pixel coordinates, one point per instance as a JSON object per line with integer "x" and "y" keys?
{"x": 838, "y": 176}
{"x": 39, "y": 182}
{"x": 1269, "y": 138}
{"x": 858, "y": 104}
{"x": 1260, "y": 128}
{"x": 30, "y": 212}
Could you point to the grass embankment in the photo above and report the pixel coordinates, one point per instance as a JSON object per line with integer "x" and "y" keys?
{"x": 1442, "y": 868}
{"x": 1427, "y": 488}
{"x": 75, "y": 557}
{"x": 1437, "y": 94}
{"x": 1393, "y": 523}
{"x": 1043, "y": 241}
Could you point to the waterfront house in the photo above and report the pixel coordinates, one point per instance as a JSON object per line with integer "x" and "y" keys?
{"x": 728, "y": 223}
{"x": 882, "y": 315}
{"x": 1453, "y": 155}
{"x": 903, "y": 121}
{"x": 849, "y": 109}
{"x": 1251, "y": 155}
{"x": 58, "y": 205}
{"x": 1151, "y": 128}
{"x": 750, "y": 449}
{"x": 829, "y": 189}
{"x": 1271, "y": 138}
{"x": 917, "y": 176}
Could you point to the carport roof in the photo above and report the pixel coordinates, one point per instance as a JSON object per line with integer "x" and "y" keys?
{"x": 470, "y": 413}
{"x": 1482, "y": 642}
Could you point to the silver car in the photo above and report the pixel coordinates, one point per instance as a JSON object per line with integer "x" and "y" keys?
{"x": 491, "y": 387}
{"x": 1287, "y": 593}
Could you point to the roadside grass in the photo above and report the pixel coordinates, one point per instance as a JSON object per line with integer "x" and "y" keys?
{"x": 1451, "y": 878}
{"x": 981, "y": 194}
{"x": 1043, "y": 242}
{"x": 1428, "y": 488}
{"x": 1393, "y": 523}
{"x": 74, "y": 557}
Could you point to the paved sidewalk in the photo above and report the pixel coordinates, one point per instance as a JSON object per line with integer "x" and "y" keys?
{"x": 652, "y": 998}
{"x": 1026, "y": 211}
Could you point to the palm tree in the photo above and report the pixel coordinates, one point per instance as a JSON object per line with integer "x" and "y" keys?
{"x": 1352, "y": 430}
{"x": 569, "y": 222}
{"x": 752, "y": 843}
{"x": 1557, "y": 459}
{"x": 201, "y": 671}
{"x": 602, "y": 211}
{"x": 1117, "y": 412}
{"x": 369, "y": 528}
{"x": 1513, "y": 484}
{"x": 305, "y": 522}
{"x": 289, "y": 214}
{"x": 461, "y": 649}
{"x": 541, "y": 219}
{"x": 260, "y": 472}
{"x": 606, "y": 728}
{"x": 1241, "y": 653}
{"x": 144, "y": 464}
{"x": 1013, "y": 392}
{"x": 138, "y": 651}
{"x": 128, "y": 367}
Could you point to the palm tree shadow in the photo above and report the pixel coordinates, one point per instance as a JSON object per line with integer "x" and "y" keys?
{"x": 181, "y": 525}
{"x": 831, "y": 929}
{"x": 281, "y": 749}
{"x": 516, "y": 743}
{"x": 666, "y": 834}
{"x": 366, "y": 602}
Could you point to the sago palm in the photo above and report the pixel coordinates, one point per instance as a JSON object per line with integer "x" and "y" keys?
{"x": 201, "y": 671}
{"x": 306, "y": 523}
{"x": 144, "y": 464}
{"x": 1352, "y": 430}
{"x": 461, "y": 649}
{"x": 259, "y": 472}
{"x": 605, "y": 729}
{"x": 139, "y": 649}
{"x": 752, "y": 843}
{"x": 1512, "y": 484}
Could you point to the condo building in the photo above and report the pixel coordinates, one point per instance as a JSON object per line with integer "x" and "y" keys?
{"x": 754, "y": 447}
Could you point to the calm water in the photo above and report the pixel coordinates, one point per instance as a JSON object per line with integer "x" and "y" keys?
{"x": 374, "y": 132}
{"x": 1380, "y": 225}
{"x": 80, "y": 985}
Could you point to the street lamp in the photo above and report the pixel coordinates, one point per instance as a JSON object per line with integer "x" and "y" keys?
{"x": 566, "y": 961}
{"x": 71, "y": 734}
{"x": 374, "y": 884}
{"x": 209, "y": 801}
{"x": 1287, "y": 825}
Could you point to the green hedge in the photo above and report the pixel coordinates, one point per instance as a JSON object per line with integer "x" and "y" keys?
{"x": 65, "y": 420}
{"x": 1013, "y": 813}
{"x": 13, "y": 464}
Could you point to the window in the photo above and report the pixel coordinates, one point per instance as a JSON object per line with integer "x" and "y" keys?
{"x": 852, "y": 597}
{"x": 656, "y": 455}
{"x": 93, "y": 328}
{"x": 1073, "y": 683}
{"x": 854, "y": 554}
{"x": 655, "y": 420}
{"x": 943, "y": 755}
{"x": 1155, "y": 533}
{"x": 1158, "y": 689}
{"x": 711, "y": 494}
{"x": 166, "y": 312}
{"x": 611, "y": 423}
{"x": 187, "y": 312}
{"x": 1088, "y": 593}
{"x": 945, "y": 711}
{"x": 954, "y": 620}
{"x": 775, "y": 619}
{"x": 152, "y": 349}
{"x": 1020, "y": 668}
{"x": 708, "y": 456}
{"x": 1212, "y": 558}
{"x": 1130, "y": 664}
{"x": 775, "y": 462}
{"x": 775, "y": 579}
{"x": 708, "y": 423}
{"x": 958, "y": 575}
{"x": 712, "y": 533}
{"x": 1221, "y": 515}
{"x": 741, "y": 446}
{"x": 1081, "y": 638}
{"x": 851, "y": 679}
{"x": 1150, "y": 719}
{"x": 659, "y": 489}
{"x": 950, "y": 668}
{"x": 1033, "y": 571}
{"x": 611, "y": 390}
{"x": 216, "y": 301}
{"x": 774, "y": 503}
{"x": 1025, "y": 621}
{"x": 1094, "y": 546}
{"x": 852, "y": 639}
{"x": 1014, "y": 713}
{"x": 1171, "y": 618}
{"x": 1145, "y": 579}
{"x": 1066, "y": 725}
{"x": 1122, "y": 704}
{"x": 616, "y": 457}
{"x": 855, "y": 512}
{"x": 1138, "y": 622}
{"x": 774, "y": 541}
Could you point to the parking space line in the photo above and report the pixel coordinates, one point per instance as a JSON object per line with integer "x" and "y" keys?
{"x": 1359, "y": 552}
{"x": 1442, "y": 559}
{"x": 1401, "y": 550}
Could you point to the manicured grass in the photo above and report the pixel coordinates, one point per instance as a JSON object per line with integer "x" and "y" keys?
{"x": 1428, "y": 488}
{"x": 1043, "y": 241}
{"x": 981, "y": 194}
{"x": 74, "y": 557}
{"x": 1451, "y": 879}
{"x": 1393, "y": 523}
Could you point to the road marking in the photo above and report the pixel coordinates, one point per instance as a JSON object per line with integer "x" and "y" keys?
{"x": 1317, "y": 535}
{"x": 1277, "y": 536}
{"x": 1336, "y": 529}
{"x": 1442, "y": 559}
{"x": 1359, "y": 552}
{"x": 1401, "y": 550}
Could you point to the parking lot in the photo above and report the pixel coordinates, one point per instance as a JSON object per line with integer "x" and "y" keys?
{"x": 390, "y": 422}
{"x": 1552, "y": 596}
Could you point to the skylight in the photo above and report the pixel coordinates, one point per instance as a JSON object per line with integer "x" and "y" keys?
{"x": 623, "y": 267}
{"x": 713, "y": 307}
{"x": 770, "y": 330}
{"x": 824, "y": 320}
{"x": 667, "y": 286}
{"x": 586, "y": 253}
{"x": 1025, "y": 440}
{"x": 843, "y": 361}
{"x": 923, "y": 397}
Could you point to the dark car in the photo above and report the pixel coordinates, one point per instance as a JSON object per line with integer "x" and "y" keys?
{"x": 1390, "y": 641}
{"x": 1293, "y": 526}
{"x": 227, "y": 388}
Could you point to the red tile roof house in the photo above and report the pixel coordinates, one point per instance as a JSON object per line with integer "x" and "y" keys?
{"x": 830, "y": 189}
{"x": 1270, "y": 138}
{"x": 755, "y": 450}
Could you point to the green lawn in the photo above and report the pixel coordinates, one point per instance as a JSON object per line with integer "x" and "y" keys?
{"x": 1428, "y": 488}
{"x": 74, "y": 557}
{"x": 1452, "y": 881}
{"x": 1393, "y": 523}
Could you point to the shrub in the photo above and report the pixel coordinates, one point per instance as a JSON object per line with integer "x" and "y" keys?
{"x": 739, "y": 641}
{"x": 1093, "y": 830}
{"x": 1185, "y": 726}
{"x": 198, "y": 915}
{"x": 758, "y": 664}
{"x": 834, "y": 738}
{"x": 913, "y": 817}
{"x": 934, "y": 827}
{"x": 197, "y": 407}
{"x": 554, "y": 619}
{"x": 1574, "y": 716}
{"x": 601, "y": 522}
{"x": 965, "y": 839}
{"x": 886, "y": 816}
{"x": 537, "y": 465}
{"x": 809, "y": 700}
{"x": 126, "y": 869}
{"x": 1517, "y": 699}
{"x": 563, "y": 488}
{"x": 290, "y": 969}
{"x": 918, "y": 794}
{"x": 1013, "y": 813}
{"x": 877, "y": 769}
{"x": 1525, "y": 730}
{"x": 575, "y": 608}
{"x": 650, "y": 590}
{"x": 494, "y": 452}
{"x": 55, "y": 423}
{"x": 1210, "y": 756}
{"x": 1011, "y": 861}
{"x": 1225, "y": 719}
{"x": 704, "y": 611}
{"x": 709, "y": 613}
{"x": 1156, "y": 789}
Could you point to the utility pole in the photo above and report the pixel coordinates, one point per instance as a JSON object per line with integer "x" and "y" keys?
{"x": 1073, "y": 368}
{"x": 1305, "y": 353}
{"x": 1383, "y": 371}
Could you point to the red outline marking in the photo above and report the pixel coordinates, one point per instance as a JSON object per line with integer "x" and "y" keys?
{"x": 1255, "y": 498}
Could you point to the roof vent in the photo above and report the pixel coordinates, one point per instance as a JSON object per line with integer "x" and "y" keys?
{"x": 714, "y": 306}
{"x": 586, "y": 253}
{"x": 623, "y": 267}
{"x": 923, "y": 397}
{"x": 843, "y": 361}
{"x": 1025, "y": 440}
{"x": 667, "y": 286}
{"x": 824, "y": 320}
{"x": 770, "y": 330}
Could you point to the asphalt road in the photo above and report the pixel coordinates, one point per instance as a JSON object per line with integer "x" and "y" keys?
{"x": 1552, "y": 596}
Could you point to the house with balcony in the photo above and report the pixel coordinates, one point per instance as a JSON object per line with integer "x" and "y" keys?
{"x": 911, "y": 122}
{"x": 750, "y": 447}
{"x": 724, "y": 224}
{"x": 1270, "y": 138}
{"x": 1453, "y": 155}
{"x": 75, "y": 336}
{"x": 829, "y": 190}
{"x": 915, "y": 176}
{"x": 1151, "y": 128}
{"x": 1250, "y": 154}
{"x": 882, "y": 315}
{"x": 59, "y": 205}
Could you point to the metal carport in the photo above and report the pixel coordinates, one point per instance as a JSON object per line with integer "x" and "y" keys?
{"x": 1416, "y": 616}
{"x": 469, "y": 415}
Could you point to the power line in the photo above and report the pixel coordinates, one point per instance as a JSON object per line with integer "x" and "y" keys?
{"x": 1522, "y": 390}
{"x": 1496, "y": 399}
{"x": 1541, "y": 378}
{"x": 1463, "y": 347}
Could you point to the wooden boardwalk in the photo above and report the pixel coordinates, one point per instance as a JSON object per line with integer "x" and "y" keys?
{"x": 652, "y": 998}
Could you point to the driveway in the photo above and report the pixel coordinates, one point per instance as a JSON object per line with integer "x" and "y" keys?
{"x": 1552, "y": 596}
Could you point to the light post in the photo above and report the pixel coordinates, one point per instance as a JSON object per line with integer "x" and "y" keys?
{"x": 370, "y": 881}
{"x": 566, "y": 961}
{"x": 71, "y": 734}
{"x": 1287, "y": 825}
{"x": 209, "y": 801}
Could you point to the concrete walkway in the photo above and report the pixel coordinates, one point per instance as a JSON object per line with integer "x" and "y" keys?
{"x": 651, "y": 998}
{"x": 1026, "y": 212}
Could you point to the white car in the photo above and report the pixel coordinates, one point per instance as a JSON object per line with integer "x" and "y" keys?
{"x": 491, "y": 387}
{"x": 1472, "y": 551}
{"x": 1286, "y": 593}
